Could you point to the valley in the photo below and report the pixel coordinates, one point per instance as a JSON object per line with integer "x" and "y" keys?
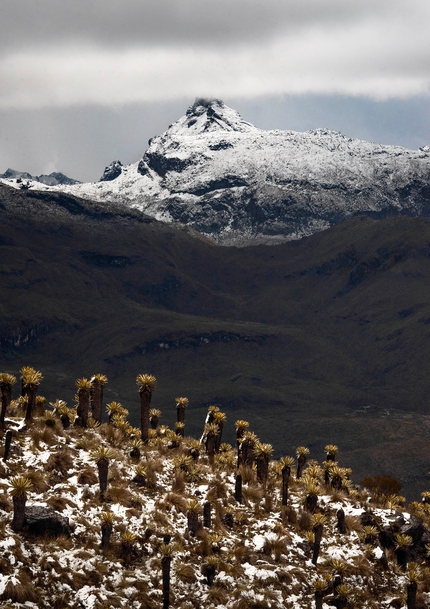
{"x": 313, "y": 341}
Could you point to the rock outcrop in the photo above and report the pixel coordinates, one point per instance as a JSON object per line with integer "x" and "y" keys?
{"x": 112, "y": 171}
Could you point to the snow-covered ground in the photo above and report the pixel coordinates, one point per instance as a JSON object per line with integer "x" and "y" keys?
{"x": 262, "y": 558}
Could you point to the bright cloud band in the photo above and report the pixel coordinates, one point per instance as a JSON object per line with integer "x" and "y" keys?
{"x": 359, "y": 60}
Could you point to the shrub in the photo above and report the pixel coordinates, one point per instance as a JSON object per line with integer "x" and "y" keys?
{"x": 382, "y": 486}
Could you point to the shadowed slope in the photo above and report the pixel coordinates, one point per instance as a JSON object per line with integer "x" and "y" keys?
{"x": 317, "y": 339}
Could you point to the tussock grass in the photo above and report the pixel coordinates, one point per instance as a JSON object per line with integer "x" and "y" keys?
{"x": 88, "y": 476}
{"x": 60, "y": 461}
{"x": 22, "y": 591}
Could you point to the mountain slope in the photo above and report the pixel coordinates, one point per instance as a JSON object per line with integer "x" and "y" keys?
{"x": 239, "y": 185}
{"x": 322, "y": 339}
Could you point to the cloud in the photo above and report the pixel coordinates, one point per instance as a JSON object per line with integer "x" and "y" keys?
{"x": 57, "y": 54}
{"x": 173, "y": 22}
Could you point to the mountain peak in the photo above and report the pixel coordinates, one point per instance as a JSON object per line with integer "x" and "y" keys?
{"x": 203, "y": 104}
{"x": 209, "y": 115}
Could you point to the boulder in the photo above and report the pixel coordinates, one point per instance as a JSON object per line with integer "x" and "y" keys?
{"x": 43, "y": 520}
{"x": 416, "y": 529}
{"x": 368, "y": 519}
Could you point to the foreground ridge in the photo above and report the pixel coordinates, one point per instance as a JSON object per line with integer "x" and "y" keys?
{"x": 104, "y": 519}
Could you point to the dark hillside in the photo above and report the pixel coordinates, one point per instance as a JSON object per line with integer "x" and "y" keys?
{"x": 314, "y": 341}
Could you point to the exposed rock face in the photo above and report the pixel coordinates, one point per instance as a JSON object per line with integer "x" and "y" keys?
{"x": 42, "y": 520}
{"x": 55, "y": 178}
{"x": 420, "y": 536}
{"x": 112, "y": 171}
{"x": 14, "y": 174}
{"x": 238, "y": 184}
{"x": 413, "y": 527}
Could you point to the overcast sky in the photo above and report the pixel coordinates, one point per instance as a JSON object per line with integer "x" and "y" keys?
{"x": 88, "y": 81}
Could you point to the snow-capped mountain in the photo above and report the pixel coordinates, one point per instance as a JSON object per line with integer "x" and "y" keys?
{"x": 239, "y": 184}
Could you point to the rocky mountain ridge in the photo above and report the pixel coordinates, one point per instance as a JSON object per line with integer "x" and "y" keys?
{"x": 53, "y": 179}
{"x": 241, "y": 185}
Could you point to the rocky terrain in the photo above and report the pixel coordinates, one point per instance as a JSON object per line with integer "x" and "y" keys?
{"x": 238, "y": 184}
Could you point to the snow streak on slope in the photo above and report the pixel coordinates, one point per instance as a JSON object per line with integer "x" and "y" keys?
{"x": 239, "y": 184}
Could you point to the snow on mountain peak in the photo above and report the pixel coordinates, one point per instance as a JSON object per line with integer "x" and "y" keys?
{"x": 208, "y": 115}
{"x": 239, "y": 184}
